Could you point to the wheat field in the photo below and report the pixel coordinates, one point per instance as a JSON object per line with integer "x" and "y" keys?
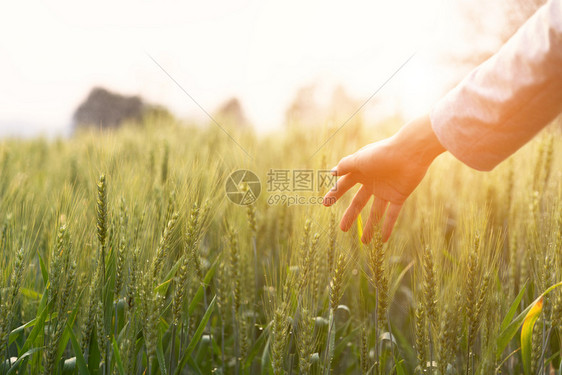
{"x": 121, "y": 254}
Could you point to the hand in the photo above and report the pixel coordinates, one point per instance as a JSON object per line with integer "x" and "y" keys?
{"x": 389, "y": 170}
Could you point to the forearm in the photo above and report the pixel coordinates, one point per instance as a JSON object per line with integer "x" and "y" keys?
{"x": 509, "y": 98}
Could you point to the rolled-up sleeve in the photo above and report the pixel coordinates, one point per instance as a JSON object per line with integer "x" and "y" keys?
{"x": 509, "y": 98}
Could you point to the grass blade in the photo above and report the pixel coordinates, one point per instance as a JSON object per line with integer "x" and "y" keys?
{"x": 527, "y": 334}
{"x": 399, "y": 367}
{"x": 16, "y": 364}
{"x": 44, "y": 272}
{"x": 513, "y": 309}
{"x": 509, "y": 332}
{"x": 160, "y": 357}
{"x": 80, "y": 361}
{"x": 200, "y": 291}
{"x": 39, "y": 327}
{"x": 117, "y": 357}
{"x": 196, "y": 337}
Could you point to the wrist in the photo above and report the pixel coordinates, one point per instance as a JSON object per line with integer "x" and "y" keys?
{"x": 418, "y": 140}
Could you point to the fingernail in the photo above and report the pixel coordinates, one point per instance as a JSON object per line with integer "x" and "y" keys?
{"x": 334, "y": 170}
{"x": 328, "y": 201}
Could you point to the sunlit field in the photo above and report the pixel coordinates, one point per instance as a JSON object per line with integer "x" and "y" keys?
{"x": 122, "y": 254}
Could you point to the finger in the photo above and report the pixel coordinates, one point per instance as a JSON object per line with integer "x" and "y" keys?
{"x": 346, "y": 165}
{"x": 359, "y": 201}
{"x": 377, "y": 211}
{"x": 342, "y": 185}
{"x": 390, "y": 219}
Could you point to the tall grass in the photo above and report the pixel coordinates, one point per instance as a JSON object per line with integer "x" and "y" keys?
{"x": 149, "y": 269}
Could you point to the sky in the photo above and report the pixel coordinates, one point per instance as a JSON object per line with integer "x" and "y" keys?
{"x": 53, "y": 52}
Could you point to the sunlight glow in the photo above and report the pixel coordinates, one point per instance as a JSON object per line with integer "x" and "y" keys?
{"x": 53, "y": 52}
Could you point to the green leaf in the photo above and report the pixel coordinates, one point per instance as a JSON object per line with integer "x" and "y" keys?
{"x": 117, "y": 357}
{"x": 399, "y": 367}
{"x": 44, "y": 271}
{"x": 80, "y": 361}
{"x": 265, "y": 362}
{"x": 527, "y": 334}
{"x": 194, "y": 366}
{"x": 66, "y": 334}
{"x": 406, "y": 350}
{"x": 26, "y": 292}
{"x": 162, "y": 289}
{"x": 14, "y": 334}
{"x": 200, "y": 291}
{"x": 513, "y": 309}
{"x": 160, "y": 357}
{"x": 398, "y": 280}
{"x": 507, "y": 334}
{"x": 331, "y": 342}
{"x": 39, "y": 327}
{"x": 344, "y": 340}
{"x": 255, "y": 350}
{"x": 16, "y": 364}
{"x": 196, "y": 337}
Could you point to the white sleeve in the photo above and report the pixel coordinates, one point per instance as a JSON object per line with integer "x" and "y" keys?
{"x": 509, "y": 98}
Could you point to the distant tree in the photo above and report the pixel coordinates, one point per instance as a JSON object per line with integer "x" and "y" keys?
{"x": 303, "y": 107}
{"x": 106, "y": 109}
{"x": 336, "y": 109}
{"x": 232, "y": 113}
